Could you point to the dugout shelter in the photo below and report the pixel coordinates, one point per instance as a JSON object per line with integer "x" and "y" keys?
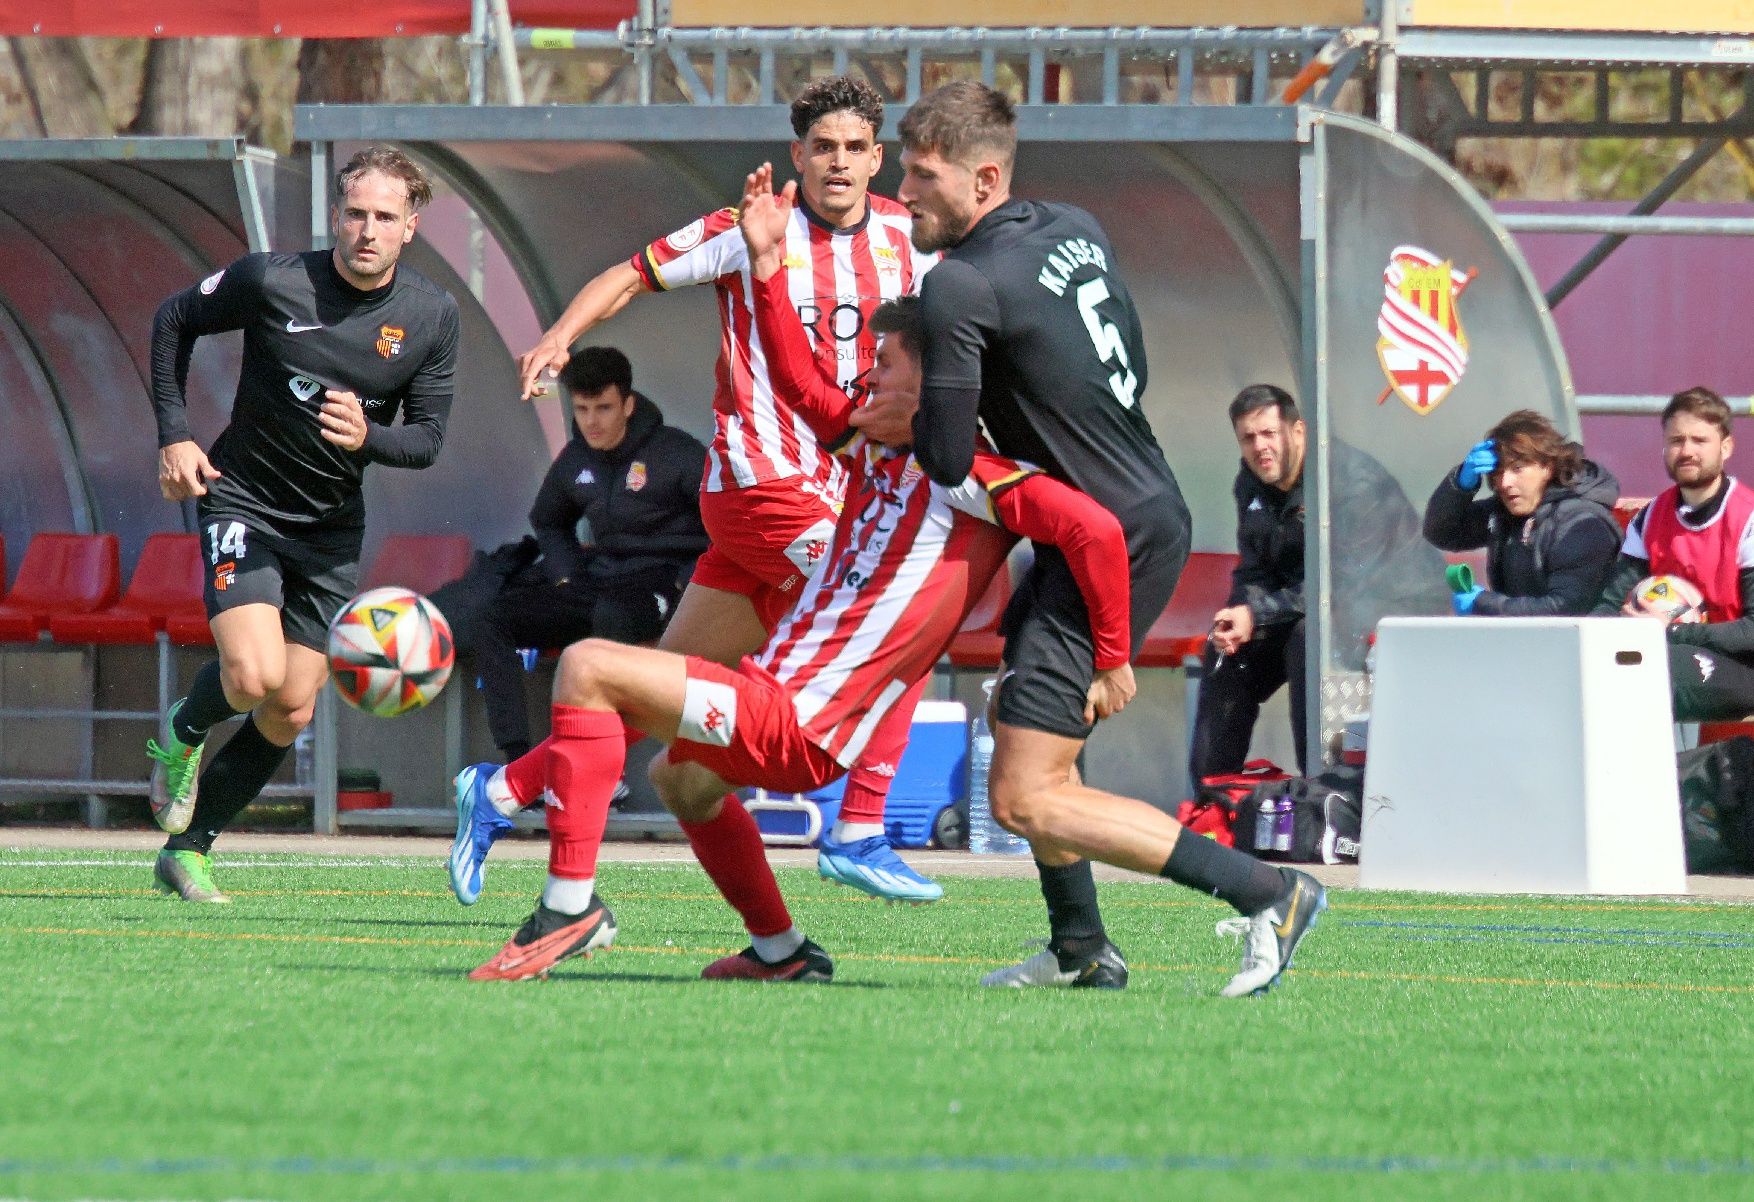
{"x": 1262, "y": 243}
{"x": 94, "y": 235}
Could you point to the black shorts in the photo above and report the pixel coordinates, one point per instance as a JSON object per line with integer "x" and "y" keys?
{"x": 308, "y": 578}
{"x": 1050, "y": 656}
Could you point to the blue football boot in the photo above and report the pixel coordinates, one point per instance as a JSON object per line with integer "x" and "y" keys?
{"x": 871, "y": 866}
{"x": 479, "y": 827}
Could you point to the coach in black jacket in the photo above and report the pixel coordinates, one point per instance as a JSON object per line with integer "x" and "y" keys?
{"x": 636, "y": 483}
{"x": 1257, "y": 640}
{"x": 1548, "y": 526}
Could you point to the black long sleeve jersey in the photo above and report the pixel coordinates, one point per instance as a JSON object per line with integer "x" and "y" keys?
{"x": 306, "y": 330}
{"x": 1029, "y": 325}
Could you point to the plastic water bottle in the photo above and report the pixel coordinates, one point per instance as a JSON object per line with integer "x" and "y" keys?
{"x": 304, "y": 757}
{"x": 985, "y": 835}
{"x": 1266, "y": 823}
{"x": 1274, "y": 823}
{"x": 1284, "y": 825}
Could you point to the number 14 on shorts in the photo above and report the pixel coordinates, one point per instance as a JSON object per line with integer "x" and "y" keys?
{"x": 225, "y": 540}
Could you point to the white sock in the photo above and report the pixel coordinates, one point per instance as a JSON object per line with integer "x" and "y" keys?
{"x": 568, "y": 896}
{"x": 500, "y": 794}
{"x": 852, "y": 832}
{"x": 774, "y": 948}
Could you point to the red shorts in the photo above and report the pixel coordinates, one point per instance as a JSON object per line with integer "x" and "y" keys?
{"x": 741, "y": 725}
{"x": 765, "y": 540}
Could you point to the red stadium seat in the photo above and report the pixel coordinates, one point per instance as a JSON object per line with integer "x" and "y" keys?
{"x": 1626, "y": 508}
{"x": 167, "y": 581}
{"x": 978, "y": 644}
{"x": 1181, "y": 630}
{"x": 60, "y": 574}
{"x": 421, "y": 562}
{"x": 189, "y": 630}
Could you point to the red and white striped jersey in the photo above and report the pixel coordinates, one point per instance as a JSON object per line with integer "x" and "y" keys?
{"x": 835, "y": 279}
{"x": 906, "y": 564}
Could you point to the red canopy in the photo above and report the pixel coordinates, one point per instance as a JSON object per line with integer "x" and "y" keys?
{"x": 285, "y": 18}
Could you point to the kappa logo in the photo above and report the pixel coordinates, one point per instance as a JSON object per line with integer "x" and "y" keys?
{"x": 224, "y": 576}
{"x": 586, "y": 477}
{"x": 1706, "y": 666}
{"x": 211, "y": 283}
{"x": 303, "y": 387}
{"x": 709, "y": 713}
{"x": 663, "y": 604}
{"x": 885, "y": 769}
{"x": 636, "y": 475}
{"x": 809, "y": 547}
{"x": 1254, "y": 505}
{"x": 390, "y": 340}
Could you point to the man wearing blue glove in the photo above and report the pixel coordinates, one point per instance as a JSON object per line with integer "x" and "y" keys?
{"x": 1548, "y": 526}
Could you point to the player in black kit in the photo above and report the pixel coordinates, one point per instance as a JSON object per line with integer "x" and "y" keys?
{"x": 1031, "y": 331}
{"x": 337, "y": 344}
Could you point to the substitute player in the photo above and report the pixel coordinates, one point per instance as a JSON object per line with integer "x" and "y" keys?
{"x": 1030, "y": 329}
{"x": 904, "y": 566}
{"x": 771, "y": 493}
{"x": 337, "y": 344}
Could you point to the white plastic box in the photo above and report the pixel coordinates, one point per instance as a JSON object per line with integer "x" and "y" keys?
{"x": 1522, "y": 755}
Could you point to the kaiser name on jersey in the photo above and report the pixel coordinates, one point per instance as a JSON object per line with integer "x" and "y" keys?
{"x": 1067, "y": 258}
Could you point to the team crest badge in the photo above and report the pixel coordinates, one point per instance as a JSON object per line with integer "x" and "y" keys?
{"x": 688, "y": 237}
{"x": 390, "y": 340}
{"x": 1421, "y": 344}
{"x": 636, "y": 475}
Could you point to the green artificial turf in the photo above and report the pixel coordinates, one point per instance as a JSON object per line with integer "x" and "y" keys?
{"x": 317, "y": 1040}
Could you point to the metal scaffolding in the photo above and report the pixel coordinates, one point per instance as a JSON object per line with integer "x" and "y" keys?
{"x": 1234, "y": 67}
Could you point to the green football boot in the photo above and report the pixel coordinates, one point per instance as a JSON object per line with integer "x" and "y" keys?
{"x": 176, "y": 767}
{"x": 188, "y": 875}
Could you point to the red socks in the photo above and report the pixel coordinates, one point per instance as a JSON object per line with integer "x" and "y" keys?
{"x": 527, "y": 775}
{"x": 868, "y": 783}
{"x": 730, "y": 849}
{"x": 586, "y": 754}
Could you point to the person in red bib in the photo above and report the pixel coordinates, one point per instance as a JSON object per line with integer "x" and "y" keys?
{"x": 1701, "y": 528}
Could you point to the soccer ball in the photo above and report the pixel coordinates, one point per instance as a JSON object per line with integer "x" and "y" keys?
{"x": 1676, "y": 598}
{"x": 390, "y": 651}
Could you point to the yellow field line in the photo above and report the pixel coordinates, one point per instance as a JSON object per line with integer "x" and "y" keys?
{"x": 889, "y": 958}
{"x": 1353, "y": 903}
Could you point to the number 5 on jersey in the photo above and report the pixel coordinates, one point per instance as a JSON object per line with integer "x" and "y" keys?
{"x": 1109, "y": 347}
{"x": 226, "y": 541}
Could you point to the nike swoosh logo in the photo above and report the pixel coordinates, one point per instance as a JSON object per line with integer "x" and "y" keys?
{"x": 1283, "y": 929}
{"x": 293, "y": 327}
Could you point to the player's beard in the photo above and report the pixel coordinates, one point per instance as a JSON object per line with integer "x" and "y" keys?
{"x": 941, "y": 230}
{"x": 1697, "y": 475}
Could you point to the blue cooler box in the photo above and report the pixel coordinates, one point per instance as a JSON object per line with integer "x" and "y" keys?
{"x": 932, "y": 776}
